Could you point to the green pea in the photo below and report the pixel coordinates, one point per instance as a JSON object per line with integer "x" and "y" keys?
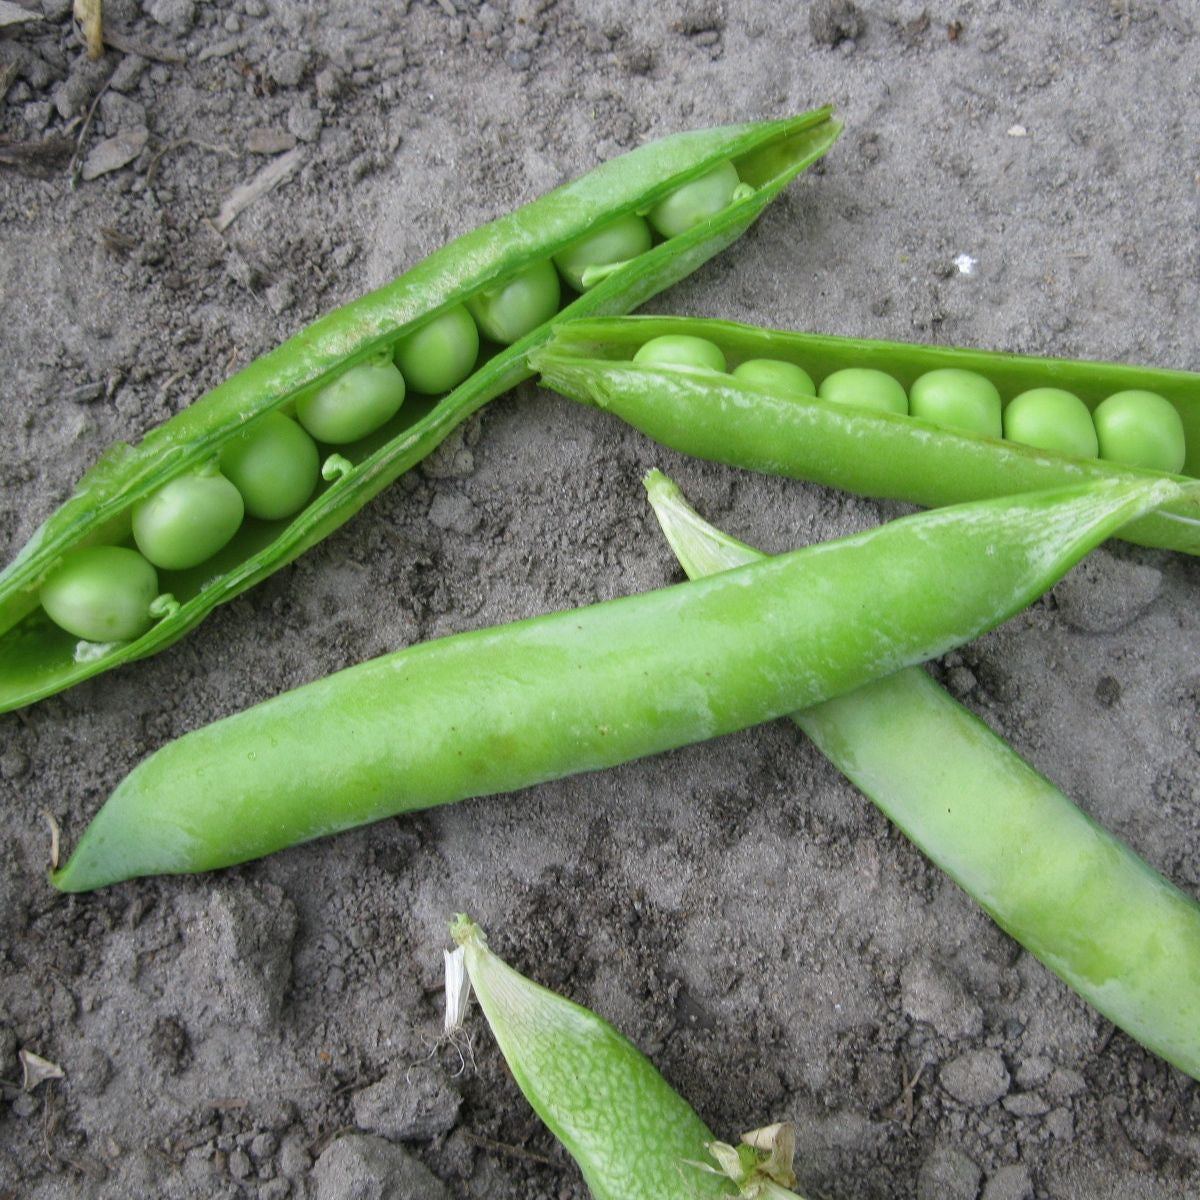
{"x": 695, "y": 201}
{"x": 681, "y": 350}
{"x": 274, "y": 465}
{"x": 1049, "y": 418}
{"x": 585, "y": 262}
{"x": 188, "y": 520}
{"x": 355, "y": 404}
{"x": 775, "y": 373}
{"x": 1140, "y": 429}
{"x": 102, "y": 594}
{"x": 508, "y": 312}
{"x": 440, "y": 355}
{"x": 865, "y": 387}
{"x": 957, "y": 399}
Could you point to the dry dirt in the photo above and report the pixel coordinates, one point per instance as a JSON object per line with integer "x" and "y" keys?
{"x": 737, "y": 908}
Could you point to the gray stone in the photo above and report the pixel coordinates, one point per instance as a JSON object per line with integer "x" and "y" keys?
{"x": 932, "y": 995}
{"x": 834, "y": 21}
{"x": 948, "y": 1174}
{"x": 1009, "y": 1183}
{"x": 417, "y": 1104}
{"x": 359, "y": 1166}
{"x": 176, "y": 15}
{"x": 452, "y": 510}
{"x": 977, "y": 1077}
{"x": 288, "y": 66}
{"x": 240, "y": 949}
{"x": 304, "y": 121}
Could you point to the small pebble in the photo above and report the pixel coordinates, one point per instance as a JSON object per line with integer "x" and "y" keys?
{"x": 948, "y": 1174}
{"x": 977, "y": 1078}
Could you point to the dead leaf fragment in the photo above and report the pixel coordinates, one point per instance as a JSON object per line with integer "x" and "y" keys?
{"x": 114, "y": 152}
{"x": 90, "y": 19}
{"x": 35, "y": 1069}
{"x": 271, "y": 176}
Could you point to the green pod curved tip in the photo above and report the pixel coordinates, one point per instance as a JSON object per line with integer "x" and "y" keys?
{"x": 880, "y": 454}
{"x": 499, "y": 709}
{"x": 1123, "y": 937}
{"x": 37, "y": 658}
{"x": 632, "y": 1135}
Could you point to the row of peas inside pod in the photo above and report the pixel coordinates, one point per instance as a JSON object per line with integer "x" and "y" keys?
{"x": 1134, "y": 428}
{"x": 269, "y": 472}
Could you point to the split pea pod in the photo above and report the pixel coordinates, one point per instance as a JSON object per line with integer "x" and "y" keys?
{"x": 848, "y": 442}
{"x": 632, "y": 1135}
{"x": 1105, "y": 922}
{"x": 343, "y": 378}
{"x": 499, "y": 709}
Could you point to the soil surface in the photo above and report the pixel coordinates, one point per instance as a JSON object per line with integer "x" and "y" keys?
{"x": 1019, "y": 176}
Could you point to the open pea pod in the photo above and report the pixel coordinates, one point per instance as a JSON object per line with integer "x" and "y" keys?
{"x": 762, "y": 427}
{"x": 38, "y": 658}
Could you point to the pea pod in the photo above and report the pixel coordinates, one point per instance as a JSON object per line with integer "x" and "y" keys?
{"x": 1105, "y": 922}
{"x": 499, "y": 709}
{"x": 633, "y": 1136}
{"x": 37, "y": 658}
{"x": 873, "y": 452}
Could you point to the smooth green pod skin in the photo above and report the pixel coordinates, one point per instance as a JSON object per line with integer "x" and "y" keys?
{"x": 1104, "y": 921}
{"x": 681, "y": 351}
{"x": 1053, "y": 419}
{"x": 877, "y": 454}
{"x": 274, "y": 464}
{"x": 692, "y": 203}
{"x": 616, "y": 242}
{"x": 770, "y": 372}
{"x": 865, "y": 387}
{"x": 1139, "y": 428}
{"x": 355, "y": 404}
{"x": 437, "y": 357}
{"x": 102, "y": 594}
{"x": 519, "y": 305}
{"x": 188, "y": 520}
{"x": 500, "y": 709}
{"x": 37, "y": 659}
{"x": 632, "y": 1135}
{"x": 956, "y": 399}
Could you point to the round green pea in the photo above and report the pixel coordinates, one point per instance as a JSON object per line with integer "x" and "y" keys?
{"x": 695, "y": 201}
{"x": 508, "y": 312}
{"x": 1050, "y": 418}
{"x": 775, "y": 373}
{"x": 274, "y": 464}
{"x": 616, "y": 242}
{"x": 957, "y": 399}
{"x": 437, "y": 357}
{"x": 866, "y": 388}
{"x": 187, "y": 520}
{"x": 355, "y": 404}
{"x": 1140, "y": 429}
{"x": 101, "y": 594}
{"x": 681, "y": 350}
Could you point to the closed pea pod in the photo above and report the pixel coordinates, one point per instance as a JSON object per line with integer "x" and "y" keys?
{"x": 499, "y": 709}
{"x": 1112, "y": 928}
{"x": 883, "y": 454}
{"x": 632, "y": 1135}
{"x": 37, "y": 659}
